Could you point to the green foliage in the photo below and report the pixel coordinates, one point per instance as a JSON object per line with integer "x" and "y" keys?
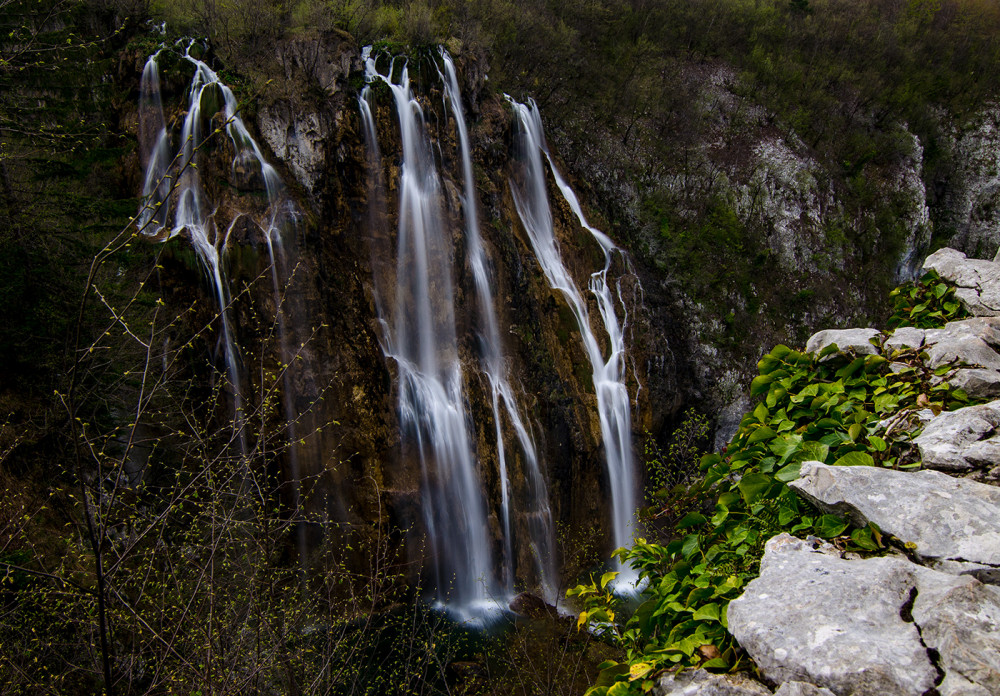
{"x": 829, "y": 407}
{"x": 926, "y": 303}
{"x": 676, "y": 465}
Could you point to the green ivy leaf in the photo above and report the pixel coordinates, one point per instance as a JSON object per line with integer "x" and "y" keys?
{"x": 692, "y": 519}
{"x": 855, "y": 459}
{"x": 706, "y": 612}
{"x": 753, "y": 486}
{"x": 789, "y": 473}
{"x": 760, "y": 434}
{"x": 829, "y": 526}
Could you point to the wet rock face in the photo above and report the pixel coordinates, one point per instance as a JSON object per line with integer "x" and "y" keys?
{"x": 308, "y": 103}
{"x": 341, "y": 261}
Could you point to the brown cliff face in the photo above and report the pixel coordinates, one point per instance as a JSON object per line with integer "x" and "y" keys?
{"x": 356, "y": 468}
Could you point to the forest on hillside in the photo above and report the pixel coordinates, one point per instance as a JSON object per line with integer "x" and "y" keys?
{"x": 654, "y": 106}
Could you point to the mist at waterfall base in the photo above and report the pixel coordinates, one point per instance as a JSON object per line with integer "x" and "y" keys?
{"x": 472, "y": 579}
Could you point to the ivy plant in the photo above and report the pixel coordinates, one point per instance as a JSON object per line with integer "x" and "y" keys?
{"x": 927, "y": 303}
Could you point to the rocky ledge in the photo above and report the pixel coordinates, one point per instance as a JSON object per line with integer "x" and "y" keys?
{"x": 925, "y": 620}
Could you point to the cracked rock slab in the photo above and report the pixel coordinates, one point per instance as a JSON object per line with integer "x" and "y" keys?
{"x": 977, "y": 282}
{"x": 873, "y": 627}
{"x": 814, "y": 617}
{"x": 961, "y": 440}
{"x": 857, "y": 340}
{"x": 960, "y": 619}
{"x": 947, "y": 518}
{"x": 983, "y": 573}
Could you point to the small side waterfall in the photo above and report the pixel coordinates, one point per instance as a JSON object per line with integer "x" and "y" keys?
{"x": 538, "y": 513}
{"x": 613, "y": 405}
{"x": 174, "y": 179}
{"x": 421, "y": 339}
{"x": 177, "y": 180}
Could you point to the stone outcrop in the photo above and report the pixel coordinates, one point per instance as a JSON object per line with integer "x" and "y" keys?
{"x": 858, "y": 341}
{"x": 880, "y": 626}
{"x": 698, "y": 682}
{"x": 968, "y": 345}
{"x": 947, "y": 518}
{"x": 927, "y": 622}
{"x": 963, "y": 440}
{"x": 978, "y": 281}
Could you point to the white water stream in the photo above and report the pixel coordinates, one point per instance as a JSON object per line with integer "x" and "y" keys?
{"x": 172, "y": 177}
{"x": 421, "y": 339}
{"x": 531, "y": 200}
{"x": 537, "y": 511}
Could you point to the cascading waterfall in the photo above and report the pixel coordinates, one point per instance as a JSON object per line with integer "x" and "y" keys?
{"x": 176, "y": 179}
{"x": 163, "y": 183}
{"x": 154, "y": 147}
{"x": 420, "y": 326}
{"x": 421, "y": 339}
{"x": 531, "y": 201}
{"x": 537, "y": 512}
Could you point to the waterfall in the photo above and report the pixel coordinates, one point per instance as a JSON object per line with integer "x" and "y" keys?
{"x": 421, "y": 339}
{"x": 176, "y": 179}
{"x": 531, "y": 201}
{"x": 154, "y": 149}
{"x": 538, "y": 513}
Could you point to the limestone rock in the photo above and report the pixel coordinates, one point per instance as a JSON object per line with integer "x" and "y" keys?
{"x": 956, "y": 344}
{"x": 857, "y": 340}
{"x": 801, "y": 689}
{"x": 961, "y": 440}
{"x": 983, "y": 573}
{"x": 904, "y": 337}
{"x": 986, "y": 328}
{"x": 968, "y": 341}
{"x": 977, "y": 281}
{"x": 812, "y": 616}
{"x": 977, "y": 383}
{"x": 948, "y": 518}
{"x": 960, "y": 619}
{"x": 728, "y": 421}
{"x": 880, "y": 626}
{"x": 698, "y": 682}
